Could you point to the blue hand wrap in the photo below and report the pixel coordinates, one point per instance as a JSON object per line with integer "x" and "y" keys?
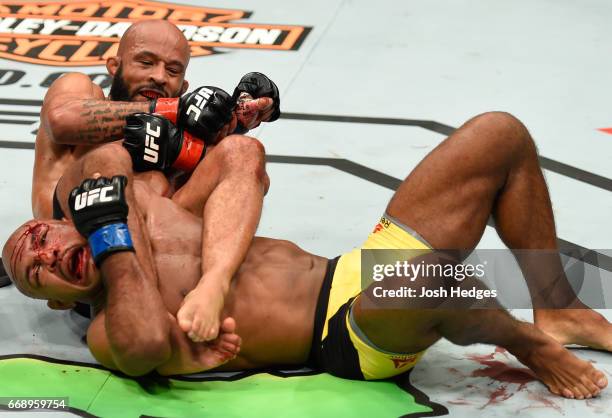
{"x": 109, "y": 239}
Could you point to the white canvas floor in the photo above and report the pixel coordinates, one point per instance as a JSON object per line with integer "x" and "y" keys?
{"x": 545, "y": 61}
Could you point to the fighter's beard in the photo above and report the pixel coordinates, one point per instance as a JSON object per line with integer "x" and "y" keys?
{"x": 119, "y": 91}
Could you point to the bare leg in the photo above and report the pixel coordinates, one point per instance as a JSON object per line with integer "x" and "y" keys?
{"x": 121, "y": 336}
{"x": 410, "y": 331}
{"x": 226, "y": 190}
{"x": 489, "y": 167}
{"x": 410, "y": 325}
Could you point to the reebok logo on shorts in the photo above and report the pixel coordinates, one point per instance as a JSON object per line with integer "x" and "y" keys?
{"x": 402, "y": 361}
{"x": 383, "y": 223}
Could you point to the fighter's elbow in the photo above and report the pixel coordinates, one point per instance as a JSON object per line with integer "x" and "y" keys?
{"x": 137, "y": 369}
{"x": 142, "y": 357}
{"x": 59, "y": 123}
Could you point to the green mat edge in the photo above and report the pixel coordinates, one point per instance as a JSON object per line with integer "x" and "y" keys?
{"x": 402, "y": 381}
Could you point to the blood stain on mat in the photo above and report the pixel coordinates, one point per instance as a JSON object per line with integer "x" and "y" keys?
{"x": 508, "y": 375}
{"x": 478, "y": 357}
{"x": 501, "y": 372}
{"x": 481, "y": 357}
{"x": 498, "y": 395}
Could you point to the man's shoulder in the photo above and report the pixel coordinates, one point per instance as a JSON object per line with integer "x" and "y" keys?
{"x": 71, "y": 84}
{"x": 73, "y": 77}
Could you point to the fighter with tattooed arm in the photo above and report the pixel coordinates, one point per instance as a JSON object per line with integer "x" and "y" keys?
{"x": 148, "y": 77}
{"x": 125, "y": 243}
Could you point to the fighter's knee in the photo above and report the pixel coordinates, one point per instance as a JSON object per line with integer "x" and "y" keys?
{"x": 498, "y": 118}
{"x": 239, "y": 152}
{"x": 508, "y": 133}
{"x": 242, "y": 145}
{"x": 505, "y": 122}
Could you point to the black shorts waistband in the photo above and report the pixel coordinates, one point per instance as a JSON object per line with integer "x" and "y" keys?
{"x": 321, "y": 313}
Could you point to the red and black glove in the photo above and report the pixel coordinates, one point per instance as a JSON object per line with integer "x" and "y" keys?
{"x": 202, "y": 112}
{"x": 156, "y": 144}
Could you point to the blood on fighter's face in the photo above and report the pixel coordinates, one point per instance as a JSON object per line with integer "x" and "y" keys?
{"x": 51, "y": 260}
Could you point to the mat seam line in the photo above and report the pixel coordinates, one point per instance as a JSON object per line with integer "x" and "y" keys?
{"x": 99, "y": 391}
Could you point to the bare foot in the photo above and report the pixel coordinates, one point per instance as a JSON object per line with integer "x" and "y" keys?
{"x": 199, "y": 313}
{"x": 222, "y": 349}
{"x": 564, "y": 374}
{"x": 576, "y": 326}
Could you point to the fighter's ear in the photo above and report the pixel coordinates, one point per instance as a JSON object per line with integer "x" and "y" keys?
{"x": 59, "y": 305}
{"x": 112, "y": 64}
{"x": 184, "y": 87}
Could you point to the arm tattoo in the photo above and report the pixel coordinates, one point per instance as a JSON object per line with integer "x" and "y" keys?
{"x": 103, "y": 121}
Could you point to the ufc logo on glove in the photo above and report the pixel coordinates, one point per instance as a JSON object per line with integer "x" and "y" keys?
{"x": 151, "y": 149}
{"x": 201, "y": 98}
{"x": 90, "y": 197}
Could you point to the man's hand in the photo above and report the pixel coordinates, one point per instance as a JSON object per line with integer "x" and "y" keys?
{"x": 203, "y": 112}
{"x": 256, "y": 86}
{"x": 200, "y": 312}
{"x": 99, "y": 211}
{"x": 223, "y": 348}
{"x": 251, "y": 112}
{"x": 154, "y": 143}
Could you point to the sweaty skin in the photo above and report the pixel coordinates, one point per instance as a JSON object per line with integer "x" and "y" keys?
{"x": 446, "y": 198}
{"x": 278, "y": 283}
{"x": 75, "y": 115}
{"x": 272, "y": 298}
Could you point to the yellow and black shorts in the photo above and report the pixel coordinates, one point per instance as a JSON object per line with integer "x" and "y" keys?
{"x": 339, "y": 346}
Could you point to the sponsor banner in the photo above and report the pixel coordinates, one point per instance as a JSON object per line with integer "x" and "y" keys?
{"x": 56, "y": 37}
{"x": 65, "y": 33}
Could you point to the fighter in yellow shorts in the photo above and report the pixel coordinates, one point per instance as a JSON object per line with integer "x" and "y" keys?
{"x": 286, "y": 306}
{"x": 339, "y": 345}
